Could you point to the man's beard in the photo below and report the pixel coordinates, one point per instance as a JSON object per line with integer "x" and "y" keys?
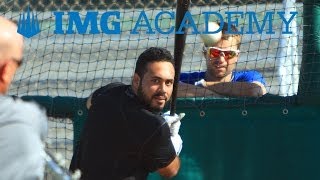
{"x": 147, "y": 102}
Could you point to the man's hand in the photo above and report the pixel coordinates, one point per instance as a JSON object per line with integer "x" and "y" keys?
{"x": 201, "y": 83}
{"x": 174, "y": 125}
{"x": 173, "y": 121}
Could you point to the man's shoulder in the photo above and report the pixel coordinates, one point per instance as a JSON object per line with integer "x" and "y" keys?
{"x": 11, "y": 105}
{"x": 146, "y": 115}
{"x": 248, "y": 76}
{"x": 191, "y": 77}
{"x": 251, "y": 71}
{"x": 107, "y": 90}
{"x": 19, "y": 111}
{"x": 145, "y": 118}
{"x": 192, "y": 74}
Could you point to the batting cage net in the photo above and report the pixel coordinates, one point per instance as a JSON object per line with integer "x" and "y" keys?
{"x": 76, "y": 46}
{"x": 60, "y": 60}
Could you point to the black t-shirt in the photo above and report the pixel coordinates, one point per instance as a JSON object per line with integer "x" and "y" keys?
{"x": 122, "y": 139}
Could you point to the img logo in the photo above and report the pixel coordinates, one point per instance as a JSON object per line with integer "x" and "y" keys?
{"x": 28, "y": 24}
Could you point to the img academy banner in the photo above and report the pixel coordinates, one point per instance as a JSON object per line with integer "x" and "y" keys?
{"x": 109, "y": 22}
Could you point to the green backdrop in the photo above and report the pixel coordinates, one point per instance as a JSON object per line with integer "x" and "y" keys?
{"x": 268, "y": 138}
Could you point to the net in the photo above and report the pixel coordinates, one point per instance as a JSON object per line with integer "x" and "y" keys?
{"x": 74, "y": 65}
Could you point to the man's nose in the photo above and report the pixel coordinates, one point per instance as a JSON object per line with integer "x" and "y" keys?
{"x": 220, "y": 59}
{"x": 163, "y": 88}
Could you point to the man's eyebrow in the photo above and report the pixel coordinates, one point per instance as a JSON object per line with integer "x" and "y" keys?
{"x": 157, "y": 77}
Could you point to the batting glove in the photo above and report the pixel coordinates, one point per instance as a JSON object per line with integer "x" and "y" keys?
{"x": 177, "y": 143}
{"x": 173, "y": 121}
{"x": 201, "y": 83}
{"x": 174, "y": 125}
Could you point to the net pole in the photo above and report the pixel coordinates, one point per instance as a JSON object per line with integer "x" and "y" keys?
{"x": 287, "y": 55}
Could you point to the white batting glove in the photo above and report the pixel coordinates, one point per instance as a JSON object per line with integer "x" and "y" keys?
{"x": 201, "y": 83}
{"x": 177, "y": 143}
{"x": 174, "y": 125}
{"x": 173, "y": 121}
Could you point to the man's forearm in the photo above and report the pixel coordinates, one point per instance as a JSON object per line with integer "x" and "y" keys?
{"x": 189, "y": 90}
{"x": 236, "y": 88}
{"x": 171, "y": 170}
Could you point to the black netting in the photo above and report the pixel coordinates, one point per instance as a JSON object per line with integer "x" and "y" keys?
{"x": 45, "y": 5}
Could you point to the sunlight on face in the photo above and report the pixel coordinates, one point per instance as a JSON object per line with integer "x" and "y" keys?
{"x": 221, "y": 67}
{"x": 155, "y": 88}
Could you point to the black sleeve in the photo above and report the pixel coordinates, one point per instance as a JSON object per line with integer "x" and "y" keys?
{"x": 158, "y": 152}
{"x": 103, "y": 90}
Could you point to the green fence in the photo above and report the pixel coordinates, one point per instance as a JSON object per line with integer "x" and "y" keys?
{"x": 256, "y": 139}
{"x": 258, "y": 142}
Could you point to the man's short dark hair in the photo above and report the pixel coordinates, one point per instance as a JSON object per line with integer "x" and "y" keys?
{"x": 153, "y": 54}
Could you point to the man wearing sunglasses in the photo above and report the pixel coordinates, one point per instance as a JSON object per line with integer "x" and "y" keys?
{"x": 221, "y": 77}
{"x": 23, "y": 126}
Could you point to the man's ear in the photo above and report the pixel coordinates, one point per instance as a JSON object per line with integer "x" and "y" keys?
{"x": 136, "y": 80}
{"x": 88, "y": 104}
{"x": 238, "y": 56}
{"x": 4, "y": 75}
{"x": 205, "y": 54}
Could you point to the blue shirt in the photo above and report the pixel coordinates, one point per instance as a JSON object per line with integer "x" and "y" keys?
{"x": 237, "y": 76}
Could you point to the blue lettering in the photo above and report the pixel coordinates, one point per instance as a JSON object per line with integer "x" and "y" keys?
{"x": 110, "y": 22}
{"x": 171, "y": 29}
{"x": 206, "y": 22}
{"x": 58, "y": 16}
{"x": 252, "y": 15}
{"x": 281, "y": 14}
{"x": 82, "y": 28}
{"x": 104, "y": 23}
{"x": 142, "y": 17}
{"x": 235, "y": 22}
{"x": 187, "y": 18}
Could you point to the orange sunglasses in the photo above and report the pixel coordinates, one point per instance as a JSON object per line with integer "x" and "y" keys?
{"x": 215, "y": 52}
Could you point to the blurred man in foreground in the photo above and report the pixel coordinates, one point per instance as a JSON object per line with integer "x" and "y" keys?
{"x": 23, "y": 126}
